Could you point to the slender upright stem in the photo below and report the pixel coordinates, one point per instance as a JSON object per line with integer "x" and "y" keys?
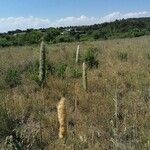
{"x": 42, "y": 63}
{"x": 84, "y": 76}
{"x": 77, "y": 54}
{"x": 116, "y": 118}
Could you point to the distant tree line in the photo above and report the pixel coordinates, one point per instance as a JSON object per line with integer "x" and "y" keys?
{"x": 125, "y": 28}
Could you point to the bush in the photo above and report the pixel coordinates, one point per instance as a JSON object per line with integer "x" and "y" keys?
{"x": 32, "y": 70}
{"x": 4, "y": 42}
{"x": 64, "y": 38}
{"x": 123, "y": 56}
{"x": 51, "y": 34}
{"x": 99, "y": 35}
{"x": 13, "y": 78}
{"x": 72, "y": 72}
{"x": 76, "y": 73}
{"x": 60, "y": 70}
{"x": 90, "y": 57}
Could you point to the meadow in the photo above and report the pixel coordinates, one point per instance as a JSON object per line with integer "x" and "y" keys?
{"x": 113, "y": 113}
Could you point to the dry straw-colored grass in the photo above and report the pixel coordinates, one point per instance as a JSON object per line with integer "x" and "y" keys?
{"x": 28, "y": 108}
{"x": 62, "y": 118}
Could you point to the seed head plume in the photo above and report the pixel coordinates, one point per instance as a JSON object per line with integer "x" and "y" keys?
{"x": 42, "y": 63}
{"x": 62, "y": 118}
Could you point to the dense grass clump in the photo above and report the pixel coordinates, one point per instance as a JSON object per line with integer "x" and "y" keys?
{"x": 123, "y": 56}
{"x": 13, "y": 78}
{"x": 90, "y": 57}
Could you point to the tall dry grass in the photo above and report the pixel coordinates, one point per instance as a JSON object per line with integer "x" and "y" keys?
{"x": 29, "y": 113}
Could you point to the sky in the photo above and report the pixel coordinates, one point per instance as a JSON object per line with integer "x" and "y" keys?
{"x": 23, "y": 14}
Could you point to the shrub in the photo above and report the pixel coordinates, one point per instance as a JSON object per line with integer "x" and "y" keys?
{"x": 99, "y": 35}
{"x": 64, "y": 38}
{"x": 90, "y": 57}
{"x": 60, "y": 70}
{"x": 95, "y": 35}
{"x": 32, "y": 70}
{"x": 4, "y": 42}
{"x": 73, "y": 72}
{"x": 76, "y": 73}
{"x": 123, "y": 56}
{"x": 13, "y": 78}
{"x": 51, "y": 34}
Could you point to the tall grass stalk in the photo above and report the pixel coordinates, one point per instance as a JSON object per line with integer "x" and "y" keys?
{"x": 84, "y": 76}
{"x": 116, "y": 118}
{"x": 42, "y": 63}
{"x": 77, "y": 54}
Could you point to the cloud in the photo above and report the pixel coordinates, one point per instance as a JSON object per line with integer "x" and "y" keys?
{"x": 118, "y": 15}
{"x": 13, "y": 23}
{"x": 71, "y": 21}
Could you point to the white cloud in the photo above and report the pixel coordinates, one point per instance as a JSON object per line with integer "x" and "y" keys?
{"x": 12, "y": 23}
{"x": 117, "y": 15}
{"x": 71, "y": 21}
{"x": 136, "y": 14}
{"x": 111, "y": 17}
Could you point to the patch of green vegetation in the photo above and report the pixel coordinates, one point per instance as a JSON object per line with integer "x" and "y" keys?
{"x": 123, "y": 56}
{"x": 13, "y": 78}
{"x": 125, "y": 28}
{"x": 90, "y": 57}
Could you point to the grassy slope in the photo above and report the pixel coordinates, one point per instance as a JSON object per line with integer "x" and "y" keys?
{"x": 31, "y": 111}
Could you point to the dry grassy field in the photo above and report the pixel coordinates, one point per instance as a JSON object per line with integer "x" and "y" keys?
{"x": 112, "y": 114}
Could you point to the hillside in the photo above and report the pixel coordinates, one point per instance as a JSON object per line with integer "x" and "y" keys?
{"x": 125, "y": 28}
{"x": 113, "y": 113}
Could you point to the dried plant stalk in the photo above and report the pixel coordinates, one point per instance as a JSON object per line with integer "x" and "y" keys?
{"x": 84, "y": 76}
{"x": 62, "y": 118}
{"x": 42, "y": 63}
{"x": 77, "y": 54}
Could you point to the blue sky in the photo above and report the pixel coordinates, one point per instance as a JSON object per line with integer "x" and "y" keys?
{"x": 44, "y": 13}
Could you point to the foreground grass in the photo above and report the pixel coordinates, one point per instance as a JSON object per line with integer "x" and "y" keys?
{"x": 29, "y": 113}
